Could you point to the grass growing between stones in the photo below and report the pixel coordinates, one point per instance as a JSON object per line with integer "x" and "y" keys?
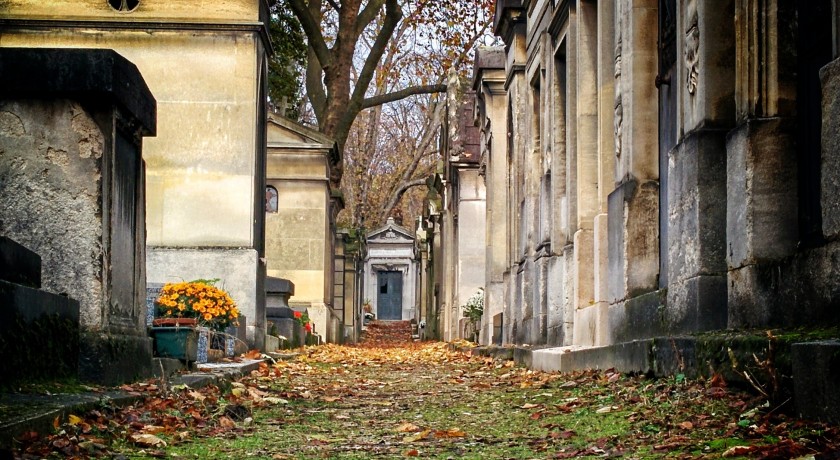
{"x": 423, "y": 400}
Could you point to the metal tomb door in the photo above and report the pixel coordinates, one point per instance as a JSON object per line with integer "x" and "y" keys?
{"x": 389, "y": 296}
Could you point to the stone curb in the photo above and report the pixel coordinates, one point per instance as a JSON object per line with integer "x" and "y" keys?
{"x": 786, "y": 365}
{"x": 48, "y": 407}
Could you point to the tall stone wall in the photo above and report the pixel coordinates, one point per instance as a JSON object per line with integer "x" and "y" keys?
{"x": 669, "y": 168}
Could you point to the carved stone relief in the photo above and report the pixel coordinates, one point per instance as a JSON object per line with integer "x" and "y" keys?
{"x": 618, "y": 118}
{"x": 617, "y": 71}
{"x": 692, "y": 46}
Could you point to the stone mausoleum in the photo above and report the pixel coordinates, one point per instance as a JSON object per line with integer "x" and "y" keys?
{"x": 391, "y": 282}
{"x": 300, "y": 215}
{"x": 205, "y": 63}
{"x": 72, "y": 191}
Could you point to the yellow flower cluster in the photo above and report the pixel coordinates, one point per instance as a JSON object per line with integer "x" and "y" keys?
{"x": 197, "y": 299}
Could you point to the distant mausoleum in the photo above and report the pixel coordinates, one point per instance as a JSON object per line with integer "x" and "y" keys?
{"x": 391, "y": 273}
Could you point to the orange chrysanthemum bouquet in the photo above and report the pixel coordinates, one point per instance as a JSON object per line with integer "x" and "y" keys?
{"x": 199, "y": 299}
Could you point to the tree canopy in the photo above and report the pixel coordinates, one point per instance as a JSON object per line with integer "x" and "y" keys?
{"x": 373, "y": 69}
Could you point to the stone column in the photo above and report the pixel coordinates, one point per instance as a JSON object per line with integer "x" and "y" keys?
{"x": 761, "y": 175}
{"x": 606, "y": 166}
{"x": 633, "y": 222}
{"x": 491, "y": 104}
{"x": 588, "y": 160}
{"x": 512, "y": 30}
{"x": 696, "y": 173}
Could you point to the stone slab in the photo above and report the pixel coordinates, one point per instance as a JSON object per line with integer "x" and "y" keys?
{"x": 830, "y": 177}
{"x": 37, "y": 412}
{"x": 86, "y": 73}
{"x": 550, "y": 359}
{"x": 280, "y": 286}
{"x": 18, "y": 264}
{"x": 108, "y": 359}
{"x": 627, "y": 357}
{"x": 39, "y": 334}
{"x": 816, "y": 380}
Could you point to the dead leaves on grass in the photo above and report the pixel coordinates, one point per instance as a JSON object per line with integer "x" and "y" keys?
{"x": 371, "y": 388}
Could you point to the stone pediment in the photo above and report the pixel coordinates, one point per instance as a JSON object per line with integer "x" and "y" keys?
{"x": 390, "y": 233}
{"x": 282, "y": 131}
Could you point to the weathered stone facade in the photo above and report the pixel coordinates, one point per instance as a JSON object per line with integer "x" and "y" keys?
{"x": 390, "y": 273}
{"x": 205, "y": 63}
{"x": 462, "y": 215}
{"x": 300, "y": 220}
{"x": 658, "y": 167}
{"x": 72, "y": 183}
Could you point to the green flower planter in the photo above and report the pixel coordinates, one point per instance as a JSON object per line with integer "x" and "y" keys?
{"x": 176, "y": 342}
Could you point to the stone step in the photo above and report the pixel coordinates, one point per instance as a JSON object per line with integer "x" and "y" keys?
{"x": 18, "y": 264}
{"x": 39, "y": 334}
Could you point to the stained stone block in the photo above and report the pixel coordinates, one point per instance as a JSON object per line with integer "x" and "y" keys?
{"x": 39, "y": 334}
{"x": 555, "y": 332}
{"x": 697, "y": 216}
{"x": 633, "y": 227}
{"x": 639, "y": 318}
{"x": 697, "y": 233}
{"x": 830, "y": 200}
{"x": 761, "y": 203}
{"x": 72, "y": 189}
{"x": 696, "y": 304}
{"x": 816, "y": 378}
{"x": 110, "y": 359}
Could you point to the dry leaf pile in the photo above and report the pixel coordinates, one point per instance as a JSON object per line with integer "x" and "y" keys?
{"x": 423, "y": 400}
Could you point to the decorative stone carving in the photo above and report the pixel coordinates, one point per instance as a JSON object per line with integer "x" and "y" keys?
{"x": 692, "y": 46}
{"x": 618, "y": 118}
{"x": 617, "y": 71}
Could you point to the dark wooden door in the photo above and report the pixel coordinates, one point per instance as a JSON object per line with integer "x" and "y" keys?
{"x": 389, "y": 296}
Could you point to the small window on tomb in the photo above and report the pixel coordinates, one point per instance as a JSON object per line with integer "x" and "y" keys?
{"x": 383, "y": 286}
{"x": 271, "y": 198}
{"x": 124, "y": 6}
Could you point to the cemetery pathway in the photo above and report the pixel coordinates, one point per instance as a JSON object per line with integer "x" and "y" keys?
{"x": 395, "y": 400}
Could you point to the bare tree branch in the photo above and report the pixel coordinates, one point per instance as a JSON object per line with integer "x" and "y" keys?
{"x": 395, "y": 198}
{"x": 393, "y": 14}
{"x": 315, "y": 87}
{"x": 312, "y": 27}
{"x": 335, "y": 5}
{"x": 368, "y": 14}
{"x": 402, "y": 94}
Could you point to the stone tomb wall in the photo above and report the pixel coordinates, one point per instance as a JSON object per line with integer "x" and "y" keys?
{"x": 72, "y": 189}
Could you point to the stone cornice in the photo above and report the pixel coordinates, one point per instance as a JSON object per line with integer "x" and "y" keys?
{"x": 508, "y": 14}
{"x": 196, "y": 26}
{"x": 560, "y": 17}
{"x": 515, "y": 69}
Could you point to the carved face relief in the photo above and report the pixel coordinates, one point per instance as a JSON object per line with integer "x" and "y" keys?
{"x": 692, "y": 47}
